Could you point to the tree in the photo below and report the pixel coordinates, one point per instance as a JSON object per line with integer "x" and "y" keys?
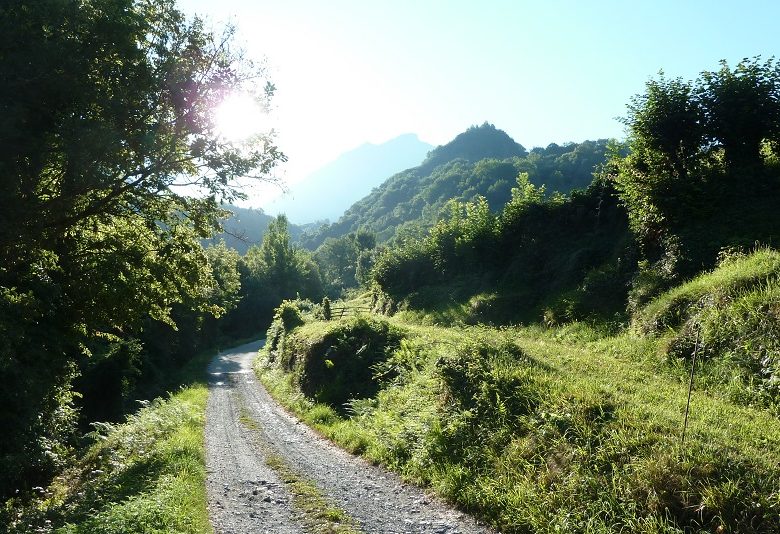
{"x": 666, "y": 128}
{"x": 278, "y": 256}
{"x": 697, "y": 152}
{"x": 273, "y": 271}
{"x": 105, "y": 114}
{"x": 742, "y": 109}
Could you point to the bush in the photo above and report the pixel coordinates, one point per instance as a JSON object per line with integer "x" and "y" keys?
{"x": 487, "y": 388}
{"x": 286, "y": 317}
{"x": 340, "y": 365}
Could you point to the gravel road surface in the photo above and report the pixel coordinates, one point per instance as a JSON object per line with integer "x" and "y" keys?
{"x": 245, "y": 494}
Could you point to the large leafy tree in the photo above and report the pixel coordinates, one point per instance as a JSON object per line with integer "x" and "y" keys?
{"x": 743, "y": 109}
{"x": 700, "y": 152}
{"x": 105, "y": 115}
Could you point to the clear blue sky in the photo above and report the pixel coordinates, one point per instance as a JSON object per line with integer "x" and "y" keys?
{"x": 355, "y": 71}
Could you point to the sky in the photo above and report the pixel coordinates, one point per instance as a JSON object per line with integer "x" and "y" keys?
{"x": 348, "y": 72}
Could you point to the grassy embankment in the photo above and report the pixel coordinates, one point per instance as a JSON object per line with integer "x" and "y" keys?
{"x": 146, "y": 475}
{"x": 565, "y": 429}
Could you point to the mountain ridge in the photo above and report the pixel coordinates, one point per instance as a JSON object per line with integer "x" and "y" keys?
{"x": 482, "y": 161}
{"x": 327, "y": 192}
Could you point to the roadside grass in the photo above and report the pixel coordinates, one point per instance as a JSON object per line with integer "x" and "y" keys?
{"x": 554, "y": 430}
{"x": 736, "y": 273}
{"x": 146, "y": 475}
{"x": 731, "y": 318}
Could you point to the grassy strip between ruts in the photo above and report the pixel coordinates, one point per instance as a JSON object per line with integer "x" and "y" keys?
{"x": 559, "y": 430}
{"x": 318, "y": 515}
{"x": 146, "y": 475}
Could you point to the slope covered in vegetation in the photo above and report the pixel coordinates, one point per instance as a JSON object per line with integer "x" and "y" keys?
{"x": 481, "y": 161}
{"x": 540, "y": 430}
{"x": 663, "y": 270}
{"x": 144, "y": 475}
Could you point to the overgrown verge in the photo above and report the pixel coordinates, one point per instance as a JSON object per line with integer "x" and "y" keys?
{"x": 731, "y": 318}
{"x": 551, "y": 430}
{"x": 337, "y": 364}
{"x": 145, "y": 475}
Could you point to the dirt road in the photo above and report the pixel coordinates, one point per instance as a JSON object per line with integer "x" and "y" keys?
{"x": 267, "y": 472}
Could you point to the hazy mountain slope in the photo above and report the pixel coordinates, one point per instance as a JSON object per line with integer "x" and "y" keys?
{"x": 326, "y": 193}
{"x": 481, "y": 161}
{"x": 246, "y": 228}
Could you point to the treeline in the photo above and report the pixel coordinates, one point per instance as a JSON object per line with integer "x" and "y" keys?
{"x": 105, "y": 288}
{"x": 699, "y": 173}
{"x": 572, "y": 254}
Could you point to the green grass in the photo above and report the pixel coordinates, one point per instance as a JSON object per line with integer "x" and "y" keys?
{"x": 565, "y": 429}
{"x": 146, "y": 475}
{"x": 735, "y": 273}
{"x": 731, "y": 318}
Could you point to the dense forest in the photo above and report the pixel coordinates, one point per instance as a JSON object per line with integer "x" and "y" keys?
{"x": 113, "y": 276}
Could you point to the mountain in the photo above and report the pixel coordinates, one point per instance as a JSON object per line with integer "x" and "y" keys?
{"x": 327, "y": 192}
{"x": 484, "y": 161}
{"x": 476, "y": 143}
{"x": 246, "y": 228}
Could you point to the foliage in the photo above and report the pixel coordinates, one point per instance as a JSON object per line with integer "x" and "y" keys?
{"x": 275, "y": 271}
{"x": 700, "y": 152}
{"x": 341, "y": 363}
{"x": 145, "y": 475}
{"x": 245, "y": 227}
{"x": 345, "y": 262}
{"x": 106, "y": 112}
{"x": 557, "y": 430}
{"x": 730, "y": 318}
{"x": 535, "y": 250}
{"x": 326, "y": 312}
{"x": 482, "y": 161}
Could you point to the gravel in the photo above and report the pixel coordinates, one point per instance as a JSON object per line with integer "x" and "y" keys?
{"x": 246, "y": 495}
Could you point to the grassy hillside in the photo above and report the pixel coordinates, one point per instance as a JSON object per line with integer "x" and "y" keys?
{"x": 481, "y": 161}
{"x": 562, "y": 429}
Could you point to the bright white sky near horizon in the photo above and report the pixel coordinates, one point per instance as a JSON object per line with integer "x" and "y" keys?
{"x": 349, "y": 72}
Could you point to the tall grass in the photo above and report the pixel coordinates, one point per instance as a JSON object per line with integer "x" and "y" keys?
{"x": 567, "y": 429}
{"x": 731, "y": 318}
{"x": 146, "y": 475}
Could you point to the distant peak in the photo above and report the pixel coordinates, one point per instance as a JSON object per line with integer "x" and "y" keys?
{"x": 476, "y": 143}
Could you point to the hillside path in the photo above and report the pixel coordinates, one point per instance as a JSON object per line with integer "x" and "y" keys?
{"x": 246, "y": 495}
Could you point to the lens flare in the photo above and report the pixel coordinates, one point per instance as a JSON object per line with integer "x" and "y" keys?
{"x": 239, "y": 117}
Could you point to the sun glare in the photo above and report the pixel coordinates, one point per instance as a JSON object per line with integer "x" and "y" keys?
{"x": 239, "y": 117}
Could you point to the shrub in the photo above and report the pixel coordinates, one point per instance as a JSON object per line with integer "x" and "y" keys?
{"x": 340, "y": 365}
{"x": 487, "y": 387}
{"x": 287, "y": 316}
